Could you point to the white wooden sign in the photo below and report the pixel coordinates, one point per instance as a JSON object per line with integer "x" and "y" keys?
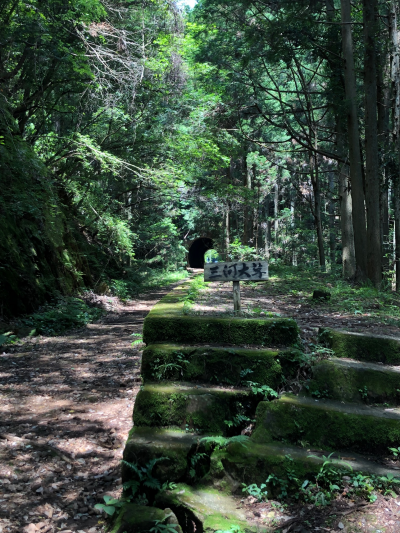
{"x": 237, "y": 271}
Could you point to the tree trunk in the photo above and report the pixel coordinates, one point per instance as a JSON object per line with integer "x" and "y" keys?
{"x": 276, "y": 207}
{"x": 331, "y": 211}
{"x": 248, "y": 211}
{"x": 372, "y": 190}
{"x": 256, "y": 210}
{"x": 346, "y": 208}
{"x": 227, "y": 232}
{"x": 395, "y": 75}
{"x": 356, "y": 172}
{"x": 384, "y": 103}
{"x": 317, "y": 210}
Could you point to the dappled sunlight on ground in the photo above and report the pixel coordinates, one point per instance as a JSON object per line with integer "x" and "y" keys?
{"x": 65, "y": 412}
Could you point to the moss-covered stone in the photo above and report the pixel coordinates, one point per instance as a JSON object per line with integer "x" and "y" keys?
{"x": 208, "y": 508}
{"x": 190, "y": 406}
{"x": 373, "y": 348}
{"x": 139, "y": 519}
{"x": 253, "y": 463}
{"x": 209, "y": 364}
{"x": 231, "y": 331}
{"x": 167, "y": 323}
{"x": 145, "y": 444}
{"x": 356, "y": 381}
{"x": 328, "y": 424}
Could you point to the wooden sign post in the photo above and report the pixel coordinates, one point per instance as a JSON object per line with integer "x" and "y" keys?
{"x": 236, "y": 272}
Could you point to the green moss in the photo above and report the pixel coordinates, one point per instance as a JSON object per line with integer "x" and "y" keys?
{"x": 208, "y": 508}
{"x": 343, "y": 380}
{"x": 362, "y": 347}
{"x": 233, "y": 331}
{"x": 253, "y": 463}
{"x": 328, "y": 424}
{"x": 166, "y": 323}
{"x": 138, "y": 519}
{"x": 201, "y": 408}
{"x": 145, "y": 444}
{"x": 208, "y": 364}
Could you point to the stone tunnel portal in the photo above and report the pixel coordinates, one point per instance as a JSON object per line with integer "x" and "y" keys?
{"x": 197, "y": 250}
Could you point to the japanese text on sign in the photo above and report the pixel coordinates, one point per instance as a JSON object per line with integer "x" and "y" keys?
{"x": 238, "y": 271}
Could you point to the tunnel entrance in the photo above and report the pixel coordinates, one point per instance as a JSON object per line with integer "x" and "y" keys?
{"x": 197, "y": 250}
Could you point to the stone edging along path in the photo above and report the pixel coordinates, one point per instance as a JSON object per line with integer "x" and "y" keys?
{"x": 195, "y": 371}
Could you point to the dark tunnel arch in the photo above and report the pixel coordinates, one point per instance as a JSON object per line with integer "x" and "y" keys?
{"x": 197, "y": 250}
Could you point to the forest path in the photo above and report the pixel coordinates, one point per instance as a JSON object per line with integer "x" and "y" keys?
{"x": 65, "y": 413}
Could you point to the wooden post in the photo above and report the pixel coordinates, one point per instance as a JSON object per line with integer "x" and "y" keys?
{"x": 236, "y": 296}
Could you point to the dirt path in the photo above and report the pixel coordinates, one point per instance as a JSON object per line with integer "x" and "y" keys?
{"x": 65, "y": 413}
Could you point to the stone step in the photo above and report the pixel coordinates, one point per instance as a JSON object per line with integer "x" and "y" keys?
{"x": 167, "y": 322}
{"x": 139, "y": 518}
{"x": 146, "y": 443}
{"x": 202, "y": 408}
{"x": 330, "y": 424}
{"x": 236, "y": 462}
{"x": 208, "y": 510}
{"x": 252, "y": 462}
{"x": 355, "y": 381}
{"x": 361, "y": 346}
{"x": 228, "y": 365}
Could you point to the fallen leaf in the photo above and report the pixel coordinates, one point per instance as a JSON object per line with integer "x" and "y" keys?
{"x": 31, "y": 528}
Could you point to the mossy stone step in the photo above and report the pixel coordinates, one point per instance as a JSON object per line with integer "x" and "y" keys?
{"x": 167, "y": 323}
{"x": 237, "y": 331}
{"x": 253, "y": 463}
{"x": 343, "y": 379}
{"x": 326, "y": 423}
{"x": 230, "y": 365}
{"x": 361, "y": 346}
{"x": 145, "y": 444}
{"x": 139, "y": 518}
{"x": 203, "y": 408}
{"x": 209, "y": 509}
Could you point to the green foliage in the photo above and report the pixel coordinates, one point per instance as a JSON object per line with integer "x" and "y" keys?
{"x": 256, "y": 491}
{"x": 320, "y": 393}
{"x": 144, "y": 485}
{"x": 193, "y": 292}
{"x": 165, "y": 371}
{"x": 110, "y": 505}
{"x": 194, "y": 461}
{"x": 364, "y": 393}
{"x": 331, "y": 480}
{"x": 139, "y": 340}
{"x": 395, "y": 451}
{"x": 240, "y": 252}
{"x": 219, "y": 443}
{"x": 9, "y": 338}
{"x": 233, "y": 529}
{"x": 160, "y": 527}
{"x": 262, "y": 390}
{"x": 238, "y": 421}
{"x": 67, "y": 313}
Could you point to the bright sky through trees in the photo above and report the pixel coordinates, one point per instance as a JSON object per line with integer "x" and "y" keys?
{"x": 190, "y": 3}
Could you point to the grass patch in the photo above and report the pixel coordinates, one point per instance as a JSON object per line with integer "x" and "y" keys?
{"x": 197, "y": 285}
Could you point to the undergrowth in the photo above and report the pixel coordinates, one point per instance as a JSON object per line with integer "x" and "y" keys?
{"x": 193, "y": 292}
{"x": 331, "y": 480}
{"x": 137, "y": 281}
{"x": 66, "y": 313}
{"x": 346, "y": 297}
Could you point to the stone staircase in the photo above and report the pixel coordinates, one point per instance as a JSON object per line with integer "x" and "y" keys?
{"x": 194, "y": 370}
